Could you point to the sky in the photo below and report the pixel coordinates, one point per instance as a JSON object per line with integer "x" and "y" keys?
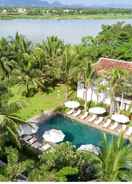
{"x": 90, "y": 2}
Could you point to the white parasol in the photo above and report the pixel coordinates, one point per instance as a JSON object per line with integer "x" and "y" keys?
{"x": 97, "y": 110}
{"x": 72, "y": 104}
{"x": 91, "y": 148}
{"x": 54, "y": 136}
{"x": 120, "y": 118}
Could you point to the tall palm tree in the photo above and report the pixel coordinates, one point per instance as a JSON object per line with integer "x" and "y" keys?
{"x": 28, "y": 75}
{"x": 53, "y": 47}
{"x": 114, "y": 78}
{"x": 88, "y": 74}
{"x": 69, "y": 68}
{"x": 9, "y": 122}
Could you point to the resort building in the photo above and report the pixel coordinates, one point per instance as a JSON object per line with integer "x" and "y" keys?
{"x": 103, "y": 65}
{"x": 21, "y": 10}
{"x": 4, "y": 11}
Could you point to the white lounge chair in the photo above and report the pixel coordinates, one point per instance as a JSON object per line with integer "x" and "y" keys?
{"x": 77, "y": 113}
{"x": 98, "y": 121}
{"x": 45, "y": 147}
{"x": 36, "y": 145}
{"x": 70, "y": 112}
{"x": 32, "y": 140}
{"x": 107, "y": 123}
{"x": 92, "y": 118}
{"x": 26, "y": 138}
{"x": 129, "y": 131}
{"x": 84, "y": 116}
{"x": 123, "y": 128}
{"x": 114, "y": 126}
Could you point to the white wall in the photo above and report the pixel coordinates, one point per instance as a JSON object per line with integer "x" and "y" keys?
{"x": 101, "y": 97}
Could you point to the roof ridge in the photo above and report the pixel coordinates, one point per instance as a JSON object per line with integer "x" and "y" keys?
{"x": 117, "y": 60}
{"x": 107, "y": 63}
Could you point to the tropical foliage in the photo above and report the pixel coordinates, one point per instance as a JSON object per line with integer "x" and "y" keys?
{"x": 39, "y": 69}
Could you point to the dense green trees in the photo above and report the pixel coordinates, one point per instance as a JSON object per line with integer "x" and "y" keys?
{"x": 64, "y": 163}
{"x": 113, "y": 41}
{"x": 14, "y": 167}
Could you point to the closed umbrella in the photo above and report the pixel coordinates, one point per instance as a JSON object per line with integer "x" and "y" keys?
{"x": 54, "y": 136}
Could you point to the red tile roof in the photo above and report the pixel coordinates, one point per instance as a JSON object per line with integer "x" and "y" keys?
{"x": 105, "y": 64}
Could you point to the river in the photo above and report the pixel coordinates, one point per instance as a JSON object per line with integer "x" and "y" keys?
{"x": 71, "y": 31}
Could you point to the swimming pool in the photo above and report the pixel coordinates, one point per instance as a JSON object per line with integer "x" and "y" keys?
{"x": 75, "y": 132}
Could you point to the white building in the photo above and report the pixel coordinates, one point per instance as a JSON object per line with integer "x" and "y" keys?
{"x": 4, "y": 11}
{"x": 21, "y": 10}
{"x": 92, "y": 94}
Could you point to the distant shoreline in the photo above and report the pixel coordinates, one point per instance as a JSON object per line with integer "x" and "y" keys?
{"x": 68, "y": 17}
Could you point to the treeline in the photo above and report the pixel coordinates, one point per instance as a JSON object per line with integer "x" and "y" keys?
{"x": 52, "y": 61}
{"x": 63, "y": 11}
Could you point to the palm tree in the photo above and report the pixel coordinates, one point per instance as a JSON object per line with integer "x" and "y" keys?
{"x": 9, "y": 122}
{"x": 19, "y": 46}
{"x": 6, "y": 67}
{"x": 28, "y": 75}
{"x": 69, "y": 68}
{"x": 53, "y": 47}
{"x": 114, "y": 78}
{"x": 88, "y": 75}
{"x": 116, "y": 159}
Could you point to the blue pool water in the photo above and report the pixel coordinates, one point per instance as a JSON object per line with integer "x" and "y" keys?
{"x": 75, "y": 132}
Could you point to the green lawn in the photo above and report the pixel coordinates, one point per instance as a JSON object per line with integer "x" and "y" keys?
{"x": 38, "y": 103}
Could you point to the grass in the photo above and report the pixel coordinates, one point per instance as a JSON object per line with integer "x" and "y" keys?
{"x": 57, "y": 17}
{"x": 38, "y": 103}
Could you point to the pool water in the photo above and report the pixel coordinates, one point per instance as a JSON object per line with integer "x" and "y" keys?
{"x": 75, "y": 132}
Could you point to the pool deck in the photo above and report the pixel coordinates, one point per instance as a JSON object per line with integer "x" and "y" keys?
{"x": 43, "y": 117}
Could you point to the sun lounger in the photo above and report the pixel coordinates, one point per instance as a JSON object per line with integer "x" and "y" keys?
{"x": 70, "y": 112}
{"x": 129, "y": 131}
{"x": 45, "y": 147}
{"x": 26, "y": 138}
{"x": 114, "y": 126}
{"x": 21, "y": 178}
{"x": 98, "y": 121}
{"x": 36, "y": 145}
{"x": 77, "y": 113}
{"x": 84, "y": 116}
{"x": 107, "y": 123}
{"x": 32, "y": 140}
{"x": 123, "y": 128}
{"x": 92, "y": 118}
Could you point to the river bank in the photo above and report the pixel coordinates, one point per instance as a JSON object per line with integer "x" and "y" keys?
{"x": 68, "y": 17}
